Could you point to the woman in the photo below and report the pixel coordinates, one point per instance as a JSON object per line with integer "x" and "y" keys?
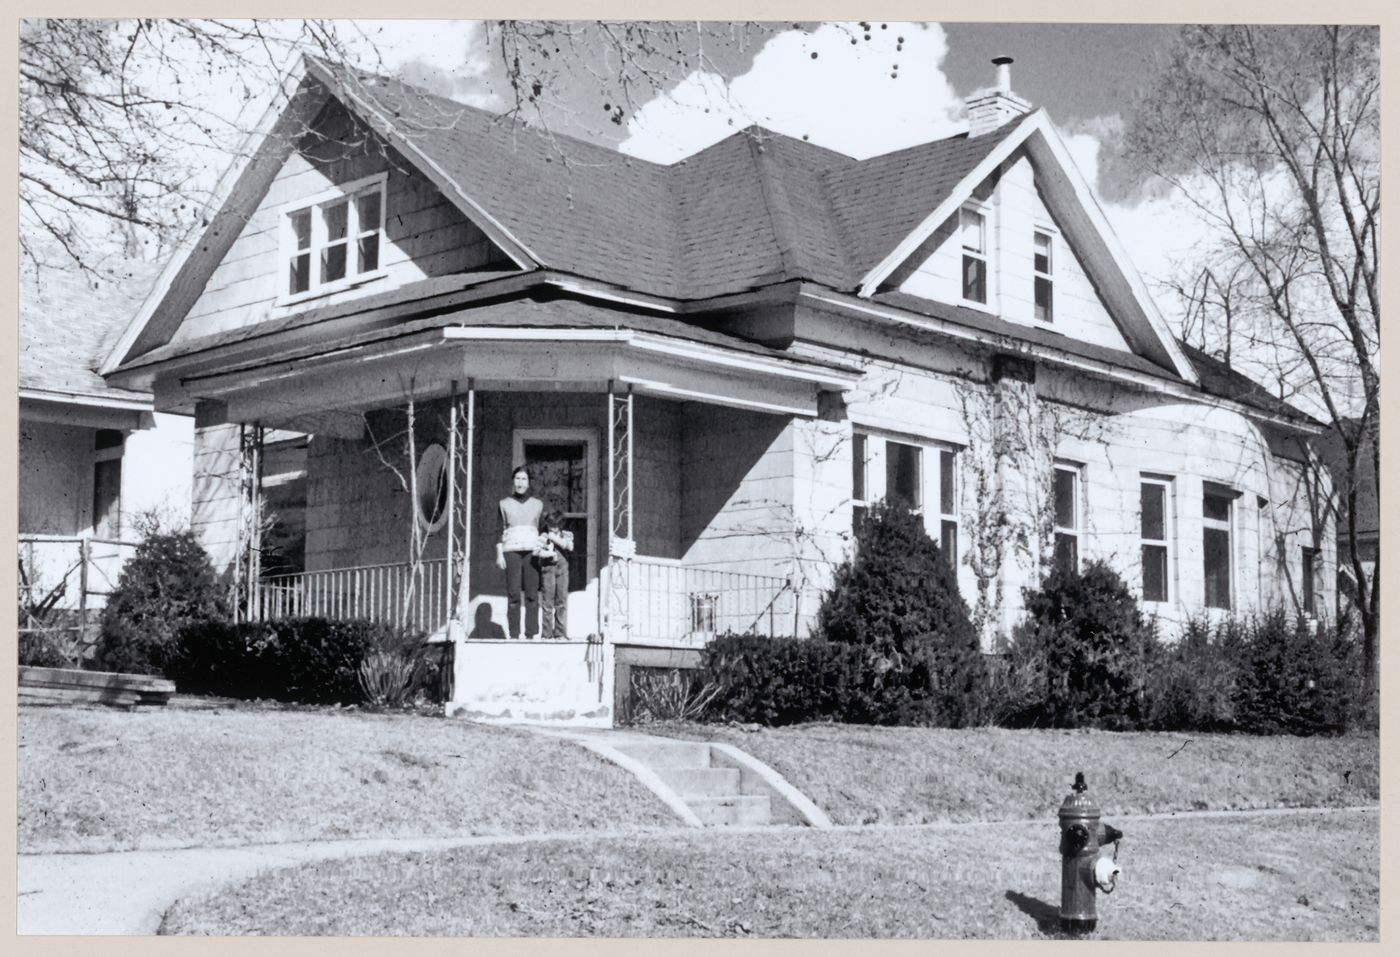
{"x": 520, "y": 536}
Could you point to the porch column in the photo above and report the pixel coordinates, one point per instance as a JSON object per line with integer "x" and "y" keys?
{"x": 621, "y": 543}
{"x": 248, "y": 556}
{"x": 461, "y": 451}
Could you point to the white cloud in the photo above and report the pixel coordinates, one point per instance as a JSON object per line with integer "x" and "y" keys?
{"x": 448, "y": 57}
{"x": 844, "y": 99}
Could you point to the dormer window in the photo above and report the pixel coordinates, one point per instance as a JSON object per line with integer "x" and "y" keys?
{"x": 973, "y": 226}
{"x": 333, "y": 241}
{"x": 1044, "y": 282}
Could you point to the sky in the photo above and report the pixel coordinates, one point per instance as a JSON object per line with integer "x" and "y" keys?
{"x": 859, "y": 88}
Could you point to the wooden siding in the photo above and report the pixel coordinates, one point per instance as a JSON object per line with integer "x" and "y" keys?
{"x": 1015, "y": 209}
{"x": 424, "y": 234}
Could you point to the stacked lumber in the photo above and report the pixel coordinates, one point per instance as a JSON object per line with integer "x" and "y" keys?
{"x": 72, "y": 686}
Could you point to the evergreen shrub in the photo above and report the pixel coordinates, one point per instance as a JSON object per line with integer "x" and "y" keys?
{"x": 166, "y": 585}
{"x": 1082, "y": 655}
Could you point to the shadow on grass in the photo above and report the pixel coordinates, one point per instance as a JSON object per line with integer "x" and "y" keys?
{"x": 1046, "y": 916}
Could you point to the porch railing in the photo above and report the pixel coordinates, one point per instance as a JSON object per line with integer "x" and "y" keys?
{"x": 64, "y": 581}
{"x": 669, "y": 602}
{"x": 374, "y": 592}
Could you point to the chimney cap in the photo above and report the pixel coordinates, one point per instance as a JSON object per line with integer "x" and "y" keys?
{"x": 1000, "y": 60}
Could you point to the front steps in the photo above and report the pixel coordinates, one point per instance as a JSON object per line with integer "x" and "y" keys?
{"x": 716, "y": 794}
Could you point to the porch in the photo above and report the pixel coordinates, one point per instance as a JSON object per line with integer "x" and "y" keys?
{"x": 673, "y": 465}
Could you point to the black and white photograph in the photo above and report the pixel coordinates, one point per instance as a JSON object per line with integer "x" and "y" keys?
{"x": 699, "y": 479}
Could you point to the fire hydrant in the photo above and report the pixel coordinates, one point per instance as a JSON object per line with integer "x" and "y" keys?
{"x": 1083, "y": 872}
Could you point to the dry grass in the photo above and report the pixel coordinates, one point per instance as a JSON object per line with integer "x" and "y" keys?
{"x": 866, "y": 775}
{"x": 1288, "y": 877}
{"x": 102, "y": 780}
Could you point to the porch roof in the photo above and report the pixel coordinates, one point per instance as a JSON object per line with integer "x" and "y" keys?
{"x": 525, "y": 344}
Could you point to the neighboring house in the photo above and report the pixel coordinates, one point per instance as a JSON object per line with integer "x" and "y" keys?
{"x": 713, "y": 367}
{"x": 92, "y": 457}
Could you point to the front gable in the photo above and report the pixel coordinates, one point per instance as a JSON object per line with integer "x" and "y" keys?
{"x": 310, "y": 241}
{"x": 1004, "y": 252}
{"x": 1028, "y": 180}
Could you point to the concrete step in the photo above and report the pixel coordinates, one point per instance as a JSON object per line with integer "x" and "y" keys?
{"x": 734, "y": 809}
{"x": 670, "y": 754}
{"x": 701, "y": 782}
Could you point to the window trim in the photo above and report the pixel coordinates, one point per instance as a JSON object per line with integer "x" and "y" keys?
{"x": 1166, "y": 484}
{"x": 1051, "y": 234}
{"x": 985, "y": 255}
{"x": 287, "y": 247}
{"x": 1076, "y": 471}
{"x": 1229, "y": 527}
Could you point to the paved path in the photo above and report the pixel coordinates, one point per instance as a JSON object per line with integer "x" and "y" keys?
{"x": 127, "y": 892}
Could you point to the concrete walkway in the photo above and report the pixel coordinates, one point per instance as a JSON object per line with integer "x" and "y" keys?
{"x": 128, "y": 892}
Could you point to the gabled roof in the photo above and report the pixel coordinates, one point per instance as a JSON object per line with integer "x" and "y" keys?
{"x": 1219, "y": 379}
{"x": 755, "y": 209}
{"x": 68, "y": 322}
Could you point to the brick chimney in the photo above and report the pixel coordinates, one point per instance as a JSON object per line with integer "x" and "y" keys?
{"x": 990, "y": 108}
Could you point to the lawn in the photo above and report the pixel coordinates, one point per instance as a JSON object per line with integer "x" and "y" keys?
{"x": 1287, "y": 877}
{"x": 100, "y": 779}
{"x": 866, "y": 775}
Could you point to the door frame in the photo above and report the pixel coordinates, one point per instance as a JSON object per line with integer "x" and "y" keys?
{"x": 588, "y": 435}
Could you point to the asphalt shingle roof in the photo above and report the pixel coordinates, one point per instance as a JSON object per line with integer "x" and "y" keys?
{"x": 1219, "y": 379}
{"x": 69, "y": 321}
{"x": 753, "y": 209}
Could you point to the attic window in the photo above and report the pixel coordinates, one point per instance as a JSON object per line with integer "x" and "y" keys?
{"x": 973, "y": 226}
{"x": 334, "y": 241}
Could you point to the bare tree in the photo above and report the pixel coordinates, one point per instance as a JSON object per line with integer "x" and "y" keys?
{"x": 1273, "y": 134}
{"x": 117, "y": 126}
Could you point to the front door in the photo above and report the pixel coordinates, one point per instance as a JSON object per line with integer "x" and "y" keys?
{"x": 564, "y": 470}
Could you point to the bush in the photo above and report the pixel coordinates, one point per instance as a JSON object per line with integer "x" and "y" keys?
{"x": 1082, "y": 656}
{"x": 40, "y": 649}
{"x": 1192, "y": 682}
{"x": 895, "y": 588}
{"x": 778, "y": 681}
{"x": 669, "y": 694}
{"x": 306, "y": 660}
{"x": 165, "y": 586}
{"x": 399, "y": 671}
{"x": 897, "y": 599}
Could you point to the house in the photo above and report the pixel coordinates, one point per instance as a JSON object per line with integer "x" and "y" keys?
{"x": 1361, "y": 480}
{"x": 712, "y": 367}
{"x": 92, "y": 456}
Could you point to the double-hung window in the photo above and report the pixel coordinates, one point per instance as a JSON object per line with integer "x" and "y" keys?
{"x": 1068, "y": 516}
{"x": 1217, "y": 507}
{"x": 1044, "y": 281}
{"x": 1156, "y": 546}
{"x": 336, "y": 240}
{"x": 973, "y": 227}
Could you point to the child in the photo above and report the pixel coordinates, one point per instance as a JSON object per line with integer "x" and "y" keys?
{"x": 552, "y": 555}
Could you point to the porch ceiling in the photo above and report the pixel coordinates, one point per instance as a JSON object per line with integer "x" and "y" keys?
{"x": 425, "y": 365}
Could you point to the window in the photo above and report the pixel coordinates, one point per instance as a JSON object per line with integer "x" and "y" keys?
{"x": 1309, "y": 571}
{"x": 973, "y": 226}
{"x": 1066, "y": 504}
{"x": 1216, "y": 508}
{"x": 335, "y": 242}
{"x": 1156, "y": 562}
{"x": 860, "y": 459}
{"x": 1044, "y": 284}
{"x": 948, "y": 505}
{"x": 902, "y": 478}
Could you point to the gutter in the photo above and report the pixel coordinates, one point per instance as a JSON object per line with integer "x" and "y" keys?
{"x": 1142, "y": 380}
